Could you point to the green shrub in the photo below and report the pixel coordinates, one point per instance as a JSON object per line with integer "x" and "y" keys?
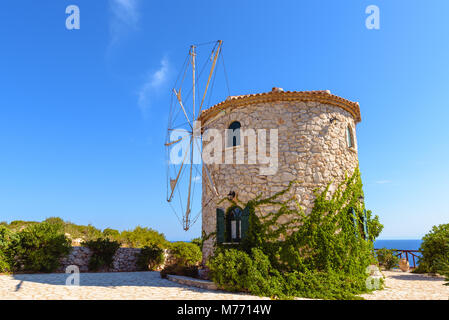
{"x": 235, "y": 270}
{"x": 6, "y": 239}
{"x": 324, "y": 254}
{"x": 111, "y": 234}
{"x": 185, "y": 254}
{"x": 443, "y": 269}
{"x": 230, "y": 269}
{"x": 55, "y": 220}
{"x": 387, "y": 258}
{"x": 179, "y": 270}
{"x": 103, "y": 251}
{"x": 141, "y": 237}
{"x": 19, "y": 225}
{"x": 150, "y": 257}
{"x": 434, "y": 249}
{"x": 39, "y": 247}
{"x": 198, "y": 242}
{"x": 87, "y": 233}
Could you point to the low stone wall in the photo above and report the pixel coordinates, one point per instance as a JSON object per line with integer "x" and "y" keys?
{"x": 125, "y": 260}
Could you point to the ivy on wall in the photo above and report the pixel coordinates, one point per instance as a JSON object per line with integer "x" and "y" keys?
{"x": 330, "y": 247}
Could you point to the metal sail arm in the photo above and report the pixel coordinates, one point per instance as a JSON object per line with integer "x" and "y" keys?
{"x": 190, "y": 188}
{"x": 181, "y": 179}
{"x": 178, "y": 96}
{"x": 209, "y": 177}
{"x": 217, "y": 52}
{"x": 168, "y": 144}
{"x": 173, "y": 186}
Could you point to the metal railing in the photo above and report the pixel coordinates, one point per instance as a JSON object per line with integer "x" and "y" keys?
{"x": 407, "y": 254}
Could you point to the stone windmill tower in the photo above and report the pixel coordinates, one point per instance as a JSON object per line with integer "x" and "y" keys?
{"x": 316, "y": 144}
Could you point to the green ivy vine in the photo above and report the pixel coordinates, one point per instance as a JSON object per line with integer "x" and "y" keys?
{"x": 325, "y": 247}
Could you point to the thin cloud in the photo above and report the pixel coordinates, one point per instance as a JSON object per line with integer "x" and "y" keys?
{"x": 155, "y": 81}
{"x": 383, "y": 181}
{"x": 124, "y": 17}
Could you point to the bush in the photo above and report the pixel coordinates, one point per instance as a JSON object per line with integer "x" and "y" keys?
{"x": 434, "y": 250}
{"x": 324, "y": 254}
{"x": 55, "y": 220}
{"x": 103, "y": 251}
{"x": 235, "y": 270}
{"x": 186, "y": 254}
{"x": 19, "y": 225}
{"x": 141, "y": 237}
{"x": 39, "y": 247}
{"x": 111, "y": 234}
{"x": 6, "y": 239}
{"x": 150, "y": 257}
{"x": 198, "y": 242}
{"x": 387, "y": 258}
{"x": 186, "y": 271}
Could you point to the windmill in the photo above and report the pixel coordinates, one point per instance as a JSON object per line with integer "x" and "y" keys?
{"x": 183, "y": 141}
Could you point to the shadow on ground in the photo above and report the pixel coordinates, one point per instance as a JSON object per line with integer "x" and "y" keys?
{"x": 109, "y": 279}
{"x": 416, "y": 277}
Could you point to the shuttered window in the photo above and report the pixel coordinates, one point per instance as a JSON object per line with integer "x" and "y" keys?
{"x": 233, "y": 226}
{"x": 220, "y": 225}
{"x": 365, "y": 225}
{"x": 350, "y": 137}
{"x": 245, "y": 222}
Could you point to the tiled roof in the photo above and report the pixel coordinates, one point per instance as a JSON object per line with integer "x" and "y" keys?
{"x": 277, "y": 94}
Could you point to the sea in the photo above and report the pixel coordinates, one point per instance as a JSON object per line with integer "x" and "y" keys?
{"x": 412, "y": 244}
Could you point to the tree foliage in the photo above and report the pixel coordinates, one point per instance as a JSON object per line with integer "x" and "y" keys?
{"x": 103, "y": 251}
{"x": 150, "y": 257}
{"x": 38, "y": 248}
{"x": 435, "y": 250}
{"x": 185, "y": 254}
{"x": 387, "y": 258}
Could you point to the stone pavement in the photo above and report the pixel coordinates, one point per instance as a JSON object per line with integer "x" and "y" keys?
{"x": 106, "y": 286}
{"x": 149, "y": 285}
{"x": 410, "y": 286}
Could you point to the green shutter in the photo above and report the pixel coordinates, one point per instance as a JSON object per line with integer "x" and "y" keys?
{"x": 220, "y": 225}
{"x": 365, "y": 224}
{"x": 245, "y": 222}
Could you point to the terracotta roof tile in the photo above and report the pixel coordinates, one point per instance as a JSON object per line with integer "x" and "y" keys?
{"x": 277, "y": 94}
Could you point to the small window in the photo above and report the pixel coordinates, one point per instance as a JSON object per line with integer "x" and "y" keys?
{"x": 233, "y": 139}
{"x": 350, "y": 137}
{"x": 234, "y": 225}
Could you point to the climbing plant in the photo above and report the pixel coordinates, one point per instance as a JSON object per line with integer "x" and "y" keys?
{"x": 322, "y": 254}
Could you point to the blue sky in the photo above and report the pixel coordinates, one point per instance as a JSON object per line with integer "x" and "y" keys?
{"x": 83, "y": 112}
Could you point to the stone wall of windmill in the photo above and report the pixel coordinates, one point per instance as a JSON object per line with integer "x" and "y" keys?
{"x": 316, "y": 145}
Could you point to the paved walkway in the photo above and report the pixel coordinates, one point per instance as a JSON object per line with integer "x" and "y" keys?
{"x": 149, "y": 285}
{"x": 109, "y": 286}
{"x": 410, "y": 286}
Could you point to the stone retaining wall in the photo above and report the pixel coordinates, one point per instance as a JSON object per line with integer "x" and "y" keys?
{"x": 125, "y": 260}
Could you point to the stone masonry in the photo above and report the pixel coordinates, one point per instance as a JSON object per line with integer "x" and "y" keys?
{"x": 124, "y": 260}
{"x": 312, "y": 148}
